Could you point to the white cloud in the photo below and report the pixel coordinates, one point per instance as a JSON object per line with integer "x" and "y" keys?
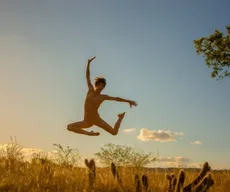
{"x": 196, "y": 142}
{"x": 160, "y": 135}
{"x": 130, "y": 130}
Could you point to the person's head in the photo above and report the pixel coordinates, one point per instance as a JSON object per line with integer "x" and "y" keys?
{"x": 99, "y": 83}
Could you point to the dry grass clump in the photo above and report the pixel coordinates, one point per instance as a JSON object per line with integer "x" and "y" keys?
{"x": 40, "y": 177}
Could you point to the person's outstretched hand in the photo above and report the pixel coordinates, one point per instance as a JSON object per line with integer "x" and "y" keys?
{"x": 89, "y": 60}
{"x": 134, "y": 103}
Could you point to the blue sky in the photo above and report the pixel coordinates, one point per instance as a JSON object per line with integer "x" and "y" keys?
{"x": 145, "y": 51}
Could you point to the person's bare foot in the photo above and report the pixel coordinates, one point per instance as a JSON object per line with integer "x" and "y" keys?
{"x": 92, "y": 133}
{"x": 121, "y": 115}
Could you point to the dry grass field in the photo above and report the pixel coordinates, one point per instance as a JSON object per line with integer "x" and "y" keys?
{"x": 42, "y": 174}
{"x": 46, "y": 176}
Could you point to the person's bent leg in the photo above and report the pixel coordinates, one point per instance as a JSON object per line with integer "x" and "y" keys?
{"x": 113, "y": 131}
{"x": 77, "y": 127}
{"x": 118, "y": 123}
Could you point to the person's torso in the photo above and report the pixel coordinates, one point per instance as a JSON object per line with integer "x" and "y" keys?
{"x": 92, "y": 102}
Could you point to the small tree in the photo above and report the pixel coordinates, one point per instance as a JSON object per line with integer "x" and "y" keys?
{"x": 66, "y": 156}
{"x": 12, "y": 155}
{"x": 122, "y": 155}
{"x": 12, "y": 151}
{"x": 216, "y": 51}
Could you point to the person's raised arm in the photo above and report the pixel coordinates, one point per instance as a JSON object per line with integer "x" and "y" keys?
{"x": 90, "y": 86}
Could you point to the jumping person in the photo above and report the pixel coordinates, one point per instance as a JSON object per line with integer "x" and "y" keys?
{"x": 93, "y": 101}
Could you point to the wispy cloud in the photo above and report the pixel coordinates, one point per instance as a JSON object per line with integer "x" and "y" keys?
{"x": 29, "y": 153}
{"x": 130, "y": 130}
{"x": 196, "y": 142}
{"x": 160, "y": 135}
{"x": 178, "y": 161}
{"x": 164, "y": 162}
